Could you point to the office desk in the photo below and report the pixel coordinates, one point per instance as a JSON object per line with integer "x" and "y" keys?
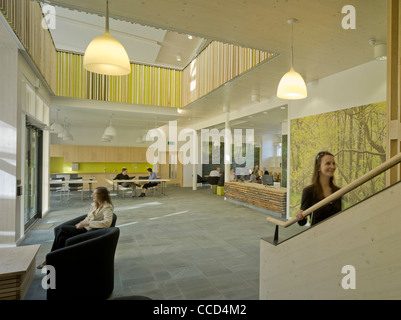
{"x": 74, "y": 182}
{"x": 68, "y": 182}
{"x": 141, "y": 182}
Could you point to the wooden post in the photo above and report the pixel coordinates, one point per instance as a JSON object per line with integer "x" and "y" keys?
{"x": 394, "y": 87}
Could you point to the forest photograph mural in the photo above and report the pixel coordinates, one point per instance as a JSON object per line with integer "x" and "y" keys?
{"x": 357, "y": 139}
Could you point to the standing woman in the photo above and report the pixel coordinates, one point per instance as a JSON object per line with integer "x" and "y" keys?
{"x": 100, "y": 216}
{"x": 322, "y": 186}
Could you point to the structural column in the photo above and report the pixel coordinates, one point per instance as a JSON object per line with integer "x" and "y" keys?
{"x": 227, "y": 145}
{"x": 394, "y": 87}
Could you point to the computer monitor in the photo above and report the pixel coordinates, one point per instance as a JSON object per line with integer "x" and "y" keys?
{"x": 267, "y": 180}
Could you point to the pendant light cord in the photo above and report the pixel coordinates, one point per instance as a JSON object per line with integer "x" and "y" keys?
{"x": 107, "y": 16}
{"x": 292, "y": 45}
{"x": 292, "y": 22}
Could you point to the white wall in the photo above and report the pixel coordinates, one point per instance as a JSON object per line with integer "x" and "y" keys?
{"x": 126, "y": 137}
{"x": 15, "y": 75}
{"x": 358, "y": 86}
{"x": 8, "y": 137}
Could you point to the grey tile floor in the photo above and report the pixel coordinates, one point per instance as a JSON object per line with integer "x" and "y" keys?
{"x": 186, "y": 245}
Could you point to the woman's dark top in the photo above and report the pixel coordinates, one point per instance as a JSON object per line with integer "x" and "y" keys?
{"x": 309, "y": 199}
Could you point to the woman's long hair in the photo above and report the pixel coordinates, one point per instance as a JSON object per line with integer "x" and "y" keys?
{"x": 317, "y": 188}
{"x": 104, "y": 195}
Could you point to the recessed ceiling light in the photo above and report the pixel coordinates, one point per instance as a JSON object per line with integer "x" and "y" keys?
{"x": 190, "y": 37}
{"x": 179, "y": 58}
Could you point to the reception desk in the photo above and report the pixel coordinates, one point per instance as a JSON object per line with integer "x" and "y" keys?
{"x": 258, "y": 195}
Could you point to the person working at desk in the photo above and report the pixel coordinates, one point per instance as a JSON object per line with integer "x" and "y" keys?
{"x": 124, "y": 176}
{"x": 152, "y": 176}
{"x": 252, "y": 176}
{"x": 259, "y": 176}
{"x": 215, "y": 172}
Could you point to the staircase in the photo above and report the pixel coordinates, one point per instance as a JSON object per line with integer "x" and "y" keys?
{"x": 353, "y": 255}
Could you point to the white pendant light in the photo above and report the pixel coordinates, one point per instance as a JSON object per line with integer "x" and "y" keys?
{"x": 106, "y": 138}
{"x": 106, "y": 55}
{"x": 62, "y": 134}
{"x": 65, "y": 134}
{"x": 292, "y": 86}
{"x": 68, "y": 137}
{"x": 56, "y": 127}
{"x": 110, "y": 131}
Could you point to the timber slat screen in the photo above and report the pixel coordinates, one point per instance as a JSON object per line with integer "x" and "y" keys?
{"x": 268, "y": 198}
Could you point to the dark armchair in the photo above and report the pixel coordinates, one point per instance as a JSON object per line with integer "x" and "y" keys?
{"x": 84, "y": 268}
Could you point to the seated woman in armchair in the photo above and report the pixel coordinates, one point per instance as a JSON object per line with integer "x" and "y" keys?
{"x": 100, "y": 216}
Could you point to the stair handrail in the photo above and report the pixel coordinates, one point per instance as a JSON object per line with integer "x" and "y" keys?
{"x": 356, "y": 183}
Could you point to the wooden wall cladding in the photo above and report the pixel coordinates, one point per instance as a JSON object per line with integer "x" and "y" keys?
{"x": 216, "y": 65}
{"x": 145, "y": 85}
{"x": 25, "y": 18}
{"x": 72, "y": 153}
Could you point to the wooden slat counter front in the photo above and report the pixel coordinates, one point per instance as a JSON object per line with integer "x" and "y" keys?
{"x": 269, "y": 198}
